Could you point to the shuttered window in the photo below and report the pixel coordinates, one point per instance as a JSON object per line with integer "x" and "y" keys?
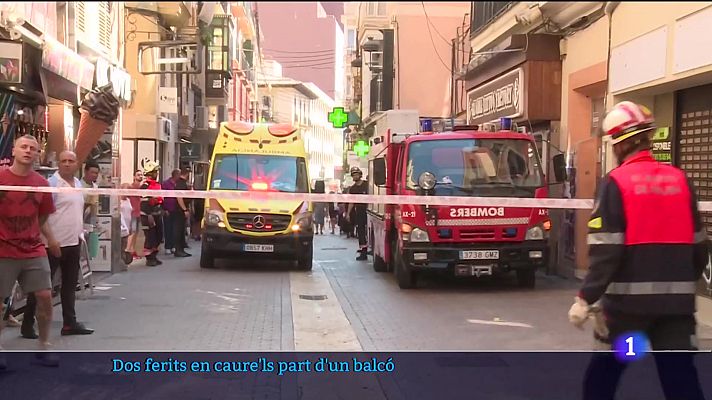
{"x": 93, "y": 24}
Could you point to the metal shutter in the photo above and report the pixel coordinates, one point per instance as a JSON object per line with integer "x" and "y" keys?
{"x": 696, "y": 154}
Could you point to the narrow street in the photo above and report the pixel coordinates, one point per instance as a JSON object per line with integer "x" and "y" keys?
{"x": 342, "y": 305}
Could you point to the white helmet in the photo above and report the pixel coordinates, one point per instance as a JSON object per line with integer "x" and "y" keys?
{"x": 150, "y": 166}
{"x": 626, "y": 120}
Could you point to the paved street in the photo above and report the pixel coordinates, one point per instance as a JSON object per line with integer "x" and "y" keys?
{"x": 178, "y": 306}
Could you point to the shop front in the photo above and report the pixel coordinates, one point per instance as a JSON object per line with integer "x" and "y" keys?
{"x": 523, "y": 83}
{"x": 692, "y": 151}
{"x": 64, "y": 74}
{"x": 22, "y": 102}
{"x": 107, "y": 154}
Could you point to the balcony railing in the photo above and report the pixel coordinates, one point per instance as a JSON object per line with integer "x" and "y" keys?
{"x": 485, "y": 12}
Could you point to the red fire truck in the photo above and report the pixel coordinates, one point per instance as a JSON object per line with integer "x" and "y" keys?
{"x": 463, "y": 241}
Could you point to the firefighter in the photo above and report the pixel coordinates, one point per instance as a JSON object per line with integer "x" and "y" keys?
{"x": 358, "y": 217}
{"x": 648, "y": 248}
{"x": 152, "y": 214}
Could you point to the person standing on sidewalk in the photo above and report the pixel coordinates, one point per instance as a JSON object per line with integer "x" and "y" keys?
{"x": 170, "y": 205}
{"x": 91, "y": 201}
{"x": 180, "y": 214}
{"x": 135, "y": 227}
{"x": 67, "y": 226}
{"x": 152, "y": 214}
{"x": 648, "y": 248}
{"x": 23, "y": 257}
{"x": 358, "y": 218}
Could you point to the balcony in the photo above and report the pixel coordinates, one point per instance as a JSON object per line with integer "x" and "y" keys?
{"x": 485, "y": 12}
{"x": 218, "y": 62}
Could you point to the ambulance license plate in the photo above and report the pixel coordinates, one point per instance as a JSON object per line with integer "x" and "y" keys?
{"x": 259, "y": 248}
{"x": 479, "y": 255}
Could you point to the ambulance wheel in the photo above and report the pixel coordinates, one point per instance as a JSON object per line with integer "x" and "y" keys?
{"x": 305, "y": 259}
{"x": 406, "y": 278}
{"x": 207, "y": 260}
{"x": 526, "y": 278}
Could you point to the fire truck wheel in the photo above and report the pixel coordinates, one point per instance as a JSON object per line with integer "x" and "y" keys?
{"x": 526, "y": 278}
{"x": 207, "y": 260}
{"x": 379, "y": 264}
{"x": 406, "y": 278}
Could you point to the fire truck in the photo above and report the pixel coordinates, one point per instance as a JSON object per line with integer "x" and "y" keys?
{"x": 468, "y": 161}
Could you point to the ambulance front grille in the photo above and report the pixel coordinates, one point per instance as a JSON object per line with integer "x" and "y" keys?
{"x": 246, "y": 222}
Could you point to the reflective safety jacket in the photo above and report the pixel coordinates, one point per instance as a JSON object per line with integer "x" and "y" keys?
{"x": 648, "y": 246}
{"x": 151, "y": 205}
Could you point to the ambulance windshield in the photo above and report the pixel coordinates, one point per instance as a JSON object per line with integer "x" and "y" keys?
{"x": 478, "y": 167}
{"x": 259, "y": 173}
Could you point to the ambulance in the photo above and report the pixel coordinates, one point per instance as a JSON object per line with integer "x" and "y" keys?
{"x": 258, "y": 157}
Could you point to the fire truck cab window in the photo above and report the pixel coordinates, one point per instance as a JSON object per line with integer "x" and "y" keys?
{"x": 475, "y": 165}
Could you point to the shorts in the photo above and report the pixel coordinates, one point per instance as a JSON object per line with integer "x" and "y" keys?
{"x": 33, "y": 274}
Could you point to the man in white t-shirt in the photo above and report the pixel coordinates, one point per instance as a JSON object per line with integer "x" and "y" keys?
{"x": 67, "y": 225}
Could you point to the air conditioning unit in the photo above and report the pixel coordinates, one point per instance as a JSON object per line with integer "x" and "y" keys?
{"x": 165, "y": 129}
{"x": 201, "y": 118}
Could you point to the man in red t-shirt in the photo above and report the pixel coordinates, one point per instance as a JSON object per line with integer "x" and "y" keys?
{"x": 23, "y": 257}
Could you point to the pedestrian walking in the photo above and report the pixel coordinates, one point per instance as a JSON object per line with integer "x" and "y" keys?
{"x": 67, "y": 225}
{"x": 152, "y": 214}
{"x": 356, "y": 213}
{"x": 648, "y": 248}
{"x": 23, "y": 257}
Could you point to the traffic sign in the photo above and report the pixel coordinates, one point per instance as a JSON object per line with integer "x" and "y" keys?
{"x": 361, "y": 148}
{"x": 338, "y": 117}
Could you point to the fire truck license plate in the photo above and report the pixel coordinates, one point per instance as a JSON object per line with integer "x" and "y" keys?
{"x": 479, "y": 255}
{"x": 259, "y": 248}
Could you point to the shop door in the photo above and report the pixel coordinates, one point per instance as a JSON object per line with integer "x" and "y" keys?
{"x": 694, "y": 151}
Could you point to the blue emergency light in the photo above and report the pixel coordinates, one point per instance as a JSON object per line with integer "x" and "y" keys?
{"x": 510, "y": 232}
{"x": 506, "y": 124}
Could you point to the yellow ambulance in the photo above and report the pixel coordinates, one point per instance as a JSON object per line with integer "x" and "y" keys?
{"x": 258, "y": 157}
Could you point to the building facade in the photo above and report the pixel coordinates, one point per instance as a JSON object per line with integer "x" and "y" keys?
{"x": 306, "y": 106}
{"x": 313, "y": 52}
{"x": 399, "y": 56}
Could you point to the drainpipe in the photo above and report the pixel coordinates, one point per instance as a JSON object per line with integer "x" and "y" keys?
{"x": 609, "y": 9}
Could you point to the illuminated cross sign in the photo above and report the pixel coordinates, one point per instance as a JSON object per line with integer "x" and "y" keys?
{"x": 338, "y": 117}
{"x": 361, "y": 148}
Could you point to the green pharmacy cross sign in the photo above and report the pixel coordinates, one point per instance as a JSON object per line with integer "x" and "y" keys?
{"x": 338, "y": 117}
{"x": 361, "y": 148}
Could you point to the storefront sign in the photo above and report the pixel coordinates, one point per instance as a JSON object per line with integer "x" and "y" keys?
{"x": 64, "y": 62}
{"x": 120, "y": 79}
{"x": 168, "y": 100}
{"x": 11, "y": 62}
{"x": 503, "y": 97}
{"x": 662, "y": 145}
{"x": 189, "y": 151}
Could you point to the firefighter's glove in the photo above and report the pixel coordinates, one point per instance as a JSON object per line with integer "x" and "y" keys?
{"x": 578, "y": 313}
{"x": 599, "y": 322}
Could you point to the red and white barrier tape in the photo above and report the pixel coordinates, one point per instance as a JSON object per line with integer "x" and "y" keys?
{"x": 517, "y": 202}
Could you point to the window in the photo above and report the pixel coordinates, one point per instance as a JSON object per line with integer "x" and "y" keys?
{"x": 351, "y": 39}
{"x": 376, "y": 8}
{"x": 485, "y": 167}
{"x": 258, "y": 172}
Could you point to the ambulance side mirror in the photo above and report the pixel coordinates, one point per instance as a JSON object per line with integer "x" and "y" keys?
{"x": 379, "y": 171}
{"x": 559, "y": 164}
